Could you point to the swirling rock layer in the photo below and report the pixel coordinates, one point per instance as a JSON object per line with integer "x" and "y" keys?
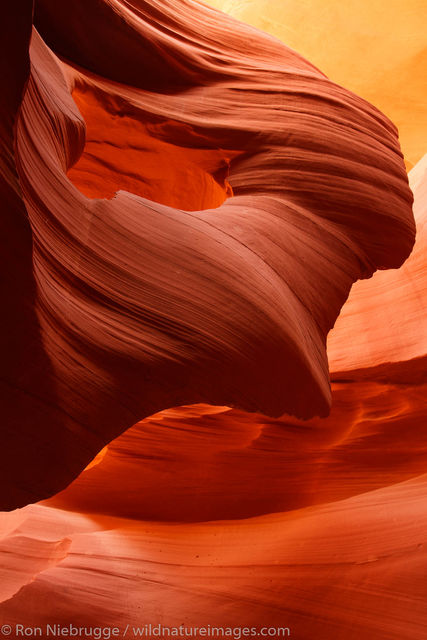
{"x": 186, "y": 204}
{"x": 133, "y": 305}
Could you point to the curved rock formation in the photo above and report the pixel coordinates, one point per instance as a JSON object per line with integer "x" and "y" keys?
{"x": 129, "y": 305}
{"x": 214, "y": 463}
{"x": 355, "y": 567}
{"x": 343, "y": 557}
{"x": 386, "y": 316}
{"x": 376, "y": 50}
{"x": 186, "y": 204}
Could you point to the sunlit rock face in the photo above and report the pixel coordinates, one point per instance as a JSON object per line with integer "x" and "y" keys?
{"x": 375, "y": 49}
{"x": 134, "y": 305}
{"x": 386, "y": 315}
{"x": 187, "y": 203}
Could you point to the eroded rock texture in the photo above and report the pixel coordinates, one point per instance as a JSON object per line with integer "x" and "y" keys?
{"x": 186, "y": 205}
{"x": 133, "y": 304}
{"x": 377, "y": 50}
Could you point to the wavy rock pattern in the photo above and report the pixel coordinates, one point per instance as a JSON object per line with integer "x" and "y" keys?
{"x": 386, "y": 315}
{"x": 376, "y": 50}
{"x": 184, "y": 215}
{"x": 318, "y": 525}
{"x": 344, "y": 569}
{"x": 133, "y": 306}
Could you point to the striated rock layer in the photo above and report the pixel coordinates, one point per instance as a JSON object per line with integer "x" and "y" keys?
{"x": 174, "y": 292}
{"x": 376, "y": 49}
{"x": 386, "y": 316}
{"x": 208, "y": 515}
{"x": 345, "y": 569}
{"x": 186, "y": 204}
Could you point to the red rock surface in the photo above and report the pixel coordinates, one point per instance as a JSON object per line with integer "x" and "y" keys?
{"x": 386, "y": 315}
{"x": 187, "y": 203}
{"x": 140, "y": 306}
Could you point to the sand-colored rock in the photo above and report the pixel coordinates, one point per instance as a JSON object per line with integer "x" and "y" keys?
{"x": 375, "y": 49}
